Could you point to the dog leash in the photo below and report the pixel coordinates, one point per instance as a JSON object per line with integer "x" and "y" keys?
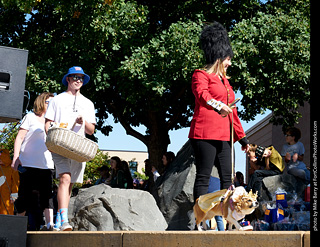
{"x": 232, "y": 152}
{"x": 232, "y": 187}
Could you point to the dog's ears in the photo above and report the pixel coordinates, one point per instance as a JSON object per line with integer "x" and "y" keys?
{"x": 253, "y": 196}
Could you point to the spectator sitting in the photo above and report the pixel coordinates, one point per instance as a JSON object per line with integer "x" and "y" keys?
{"x": 266, "y": 162}
{"x": 118, "y": 179}
{"x": 167, "y": 159}
{"x": 104, "y": 175}
{"x": 293, "y": 152}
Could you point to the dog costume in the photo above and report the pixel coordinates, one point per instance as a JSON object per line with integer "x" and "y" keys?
{"x": 11, "y": 183}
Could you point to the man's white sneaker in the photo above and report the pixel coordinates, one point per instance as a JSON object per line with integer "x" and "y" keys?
{"x": 66, "y": 227}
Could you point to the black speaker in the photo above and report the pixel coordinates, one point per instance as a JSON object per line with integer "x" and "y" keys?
{"x": 13, "y": 67}
{"x": 13, "y": 230}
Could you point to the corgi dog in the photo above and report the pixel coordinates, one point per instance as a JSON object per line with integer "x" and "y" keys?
{"x": 232, "y": 205}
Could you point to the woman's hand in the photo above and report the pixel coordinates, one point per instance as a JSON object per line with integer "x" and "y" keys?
{"x": 245, "y": 148}
{"x": 225, "y": 110}
{"x": 15, "y": 163}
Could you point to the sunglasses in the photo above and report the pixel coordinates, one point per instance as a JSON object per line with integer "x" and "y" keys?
{"x": 287, "y": 135}
{"x": 75, "y": 78}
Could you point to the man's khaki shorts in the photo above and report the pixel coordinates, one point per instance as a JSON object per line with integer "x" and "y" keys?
{"x": 65, "y": 165}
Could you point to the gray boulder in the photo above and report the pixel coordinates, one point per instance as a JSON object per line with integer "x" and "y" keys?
{"x": 285, "y": 182}
{"x": 102, "y": 208}
{"x": 175, "y": 190}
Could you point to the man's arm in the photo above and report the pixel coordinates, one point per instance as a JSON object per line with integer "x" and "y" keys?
{"x": 47, "y": 125}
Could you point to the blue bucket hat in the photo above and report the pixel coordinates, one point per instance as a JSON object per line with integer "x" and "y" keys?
{"x": 75, "y": 70}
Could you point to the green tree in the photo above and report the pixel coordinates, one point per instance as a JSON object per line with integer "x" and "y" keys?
{"x": 103, "y": 37}
{"x": 91, "y": 173}
{"x": 8, "y": 136}
{"x": 271, "y": 66}
{"x": 161, "y": 71}
{"x": 141, "y": 55}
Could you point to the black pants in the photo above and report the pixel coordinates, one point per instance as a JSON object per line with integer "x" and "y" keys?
{"x": 35, "y": 185}
{"x": 255, "y": 182}
{"x": 209, "y": 153}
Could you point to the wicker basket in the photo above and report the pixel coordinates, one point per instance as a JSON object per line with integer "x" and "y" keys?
{"x": 71, "y": 145}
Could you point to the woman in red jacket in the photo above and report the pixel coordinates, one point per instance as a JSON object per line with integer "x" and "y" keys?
{"x": 211, "y": 124}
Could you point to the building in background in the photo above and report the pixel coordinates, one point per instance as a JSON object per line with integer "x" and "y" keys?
{"x": 134, "y": 158}
{"x": 265, "y": 133}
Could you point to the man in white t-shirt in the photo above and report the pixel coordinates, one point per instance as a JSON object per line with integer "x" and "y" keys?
{"x": 67, "y": 108}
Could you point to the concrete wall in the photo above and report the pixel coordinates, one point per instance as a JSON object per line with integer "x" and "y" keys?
{"x": 169, "y": 239}
{"x": 138, "y": 156}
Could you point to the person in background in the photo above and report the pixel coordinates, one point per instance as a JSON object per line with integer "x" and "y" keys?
{"x": 293, "y": 153}
{"x": 266, "y": 162}
{"x": 148, "y": 185}
{"x": 9, "y": 183}
{"x": 155, "y": 173}
{"x": 104, "y": 175}
{"x": 69, "y": 108}
{"x": 35, "y": 161}
{"x": 118, "y": 179}
{"x": 214, "y": 185}
{"x": 167, "y": 159}
{"x": 239, "y": 180}
{"x": 127, "y": 174}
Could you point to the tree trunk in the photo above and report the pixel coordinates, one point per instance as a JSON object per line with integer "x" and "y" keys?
{"x": 158, "y": 140}
{"x": 157, "y": 146}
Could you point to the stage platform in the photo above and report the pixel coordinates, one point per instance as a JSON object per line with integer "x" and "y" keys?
{"x": 169, "y": 239}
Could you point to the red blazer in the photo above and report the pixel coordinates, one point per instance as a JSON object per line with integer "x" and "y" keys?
{"x": 206, "y": 123}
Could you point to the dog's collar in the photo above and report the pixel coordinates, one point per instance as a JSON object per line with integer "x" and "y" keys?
{"x": 230, "y": 203}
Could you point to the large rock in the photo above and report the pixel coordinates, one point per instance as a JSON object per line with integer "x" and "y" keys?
{"x": 102, "y": 208}
{"x": 175, "y": 190}
{"x": 285, "y": 182}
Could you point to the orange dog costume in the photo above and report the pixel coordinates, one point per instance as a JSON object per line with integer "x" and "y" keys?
{"x": 11, "y": 184}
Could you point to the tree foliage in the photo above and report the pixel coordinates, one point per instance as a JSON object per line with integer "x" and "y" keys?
{"x": 141, "y": 55}
{"x": 8, "y": 135}
{"x": 91, "y": 173}
{"x": 272, "y": 61}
